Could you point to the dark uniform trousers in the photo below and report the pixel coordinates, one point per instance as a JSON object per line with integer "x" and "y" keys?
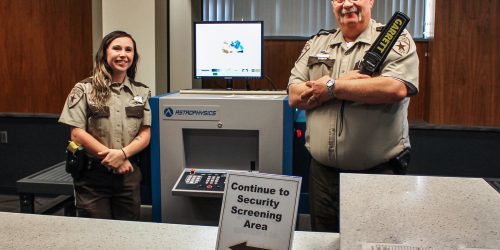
{"x": 324, "y": 194}
{"x": 102, "y": 194}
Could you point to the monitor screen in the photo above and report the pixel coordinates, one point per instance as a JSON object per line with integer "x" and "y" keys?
{"x": 228, "y": 49}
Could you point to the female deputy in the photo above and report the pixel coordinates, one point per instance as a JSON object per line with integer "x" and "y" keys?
{"x": 110, "y": 117}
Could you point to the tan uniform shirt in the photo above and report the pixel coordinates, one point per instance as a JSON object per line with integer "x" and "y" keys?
{"x": 352, "y": 135}
{"x": 119, "y": 122}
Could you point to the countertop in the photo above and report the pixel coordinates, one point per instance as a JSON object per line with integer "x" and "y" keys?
{"x": 438, "y": 212}
{"x": 420, "y": 211}
{"x": 29, "y": 231}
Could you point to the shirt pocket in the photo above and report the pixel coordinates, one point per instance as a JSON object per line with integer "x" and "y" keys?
{"x": 99, "y": 122}
{"x": 319, "y": 67}
{"x": 135, "y": 114}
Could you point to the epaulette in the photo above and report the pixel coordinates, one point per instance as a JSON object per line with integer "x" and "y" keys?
{"x": 87, "y": 80}
{"x": 322, "y": 32}
{"x": 138, "y": 83}
{"x": 380, "y": 28}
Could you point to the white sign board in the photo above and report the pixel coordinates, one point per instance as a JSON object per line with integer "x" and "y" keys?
{"x": 258, "y": 211}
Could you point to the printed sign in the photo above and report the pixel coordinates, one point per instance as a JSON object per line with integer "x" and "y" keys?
{"x": 191, "y": 112}
{"x": 258, "y": 211}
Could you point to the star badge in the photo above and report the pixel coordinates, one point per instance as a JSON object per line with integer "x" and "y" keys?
{"x": 402, "y": 46}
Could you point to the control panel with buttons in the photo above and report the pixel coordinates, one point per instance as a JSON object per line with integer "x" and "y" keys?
{"x": 200, "y": 183}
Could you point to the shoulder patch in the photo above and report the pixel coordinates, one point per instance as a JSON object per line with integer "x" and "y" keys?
{"x": 75, "y": 96}
{"x": 307, "y": 46}
{"x": 402, "y": 45}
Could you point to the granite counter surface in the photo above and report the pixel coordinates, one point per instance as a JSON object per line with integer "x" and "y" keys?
{"x": 28, "y": 231}
{"x": 438, "y": 212}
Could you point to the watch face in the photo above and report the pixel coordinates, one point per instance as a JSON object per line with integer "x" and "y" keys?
{"x": 329, "y": 85}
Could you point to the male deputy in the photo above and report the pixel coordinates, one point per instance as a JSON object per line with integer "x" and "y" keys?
{"x": 355, "y": 123}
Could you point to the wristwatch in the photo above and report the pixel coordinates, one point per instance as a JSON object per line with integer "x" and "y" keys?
{"x": 330, "y": 84}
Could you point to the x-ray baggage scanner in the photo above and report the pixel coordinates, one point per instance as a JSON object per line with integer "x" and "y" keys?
{"x": 197, "y": 136}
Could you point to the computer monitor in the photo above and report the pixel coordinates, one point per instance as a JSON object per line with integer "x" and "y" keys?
{"x": 228, "y": 50}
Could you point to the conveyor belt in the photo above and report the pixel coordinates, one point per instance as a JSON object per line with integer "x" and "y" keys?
{"x": 53, "y": 180}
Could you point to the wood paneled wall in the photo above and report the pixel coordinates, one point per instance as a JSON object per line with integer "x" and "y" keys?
{"x": 46, "y": 47}
{"x": 459, "y": 72}
{"x": 279, "y": 59}
{"x": 464, "y": 72}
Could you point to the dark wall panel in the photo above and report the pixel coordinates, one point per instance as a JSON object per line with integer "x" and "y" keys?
{"x": 459, "y": 152}
{"x": 34, "y": 142}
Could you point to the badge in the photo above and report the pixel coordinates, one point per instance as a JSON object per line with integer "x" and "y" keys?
{"x": 322, "y": 55}
{"x": 138, "y": 99}
{"x": 74, "y": 96}
{"x": 402, "y": 45}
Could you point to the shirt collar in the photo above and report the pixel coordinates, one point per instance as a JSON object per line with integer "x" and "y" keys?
{"x": 126, "y": 84}
{"x": 364, "y": 37}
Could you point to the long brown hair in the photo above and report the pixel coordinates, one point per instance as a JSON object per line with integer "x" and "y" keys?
{"x": 102, "y": 73}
